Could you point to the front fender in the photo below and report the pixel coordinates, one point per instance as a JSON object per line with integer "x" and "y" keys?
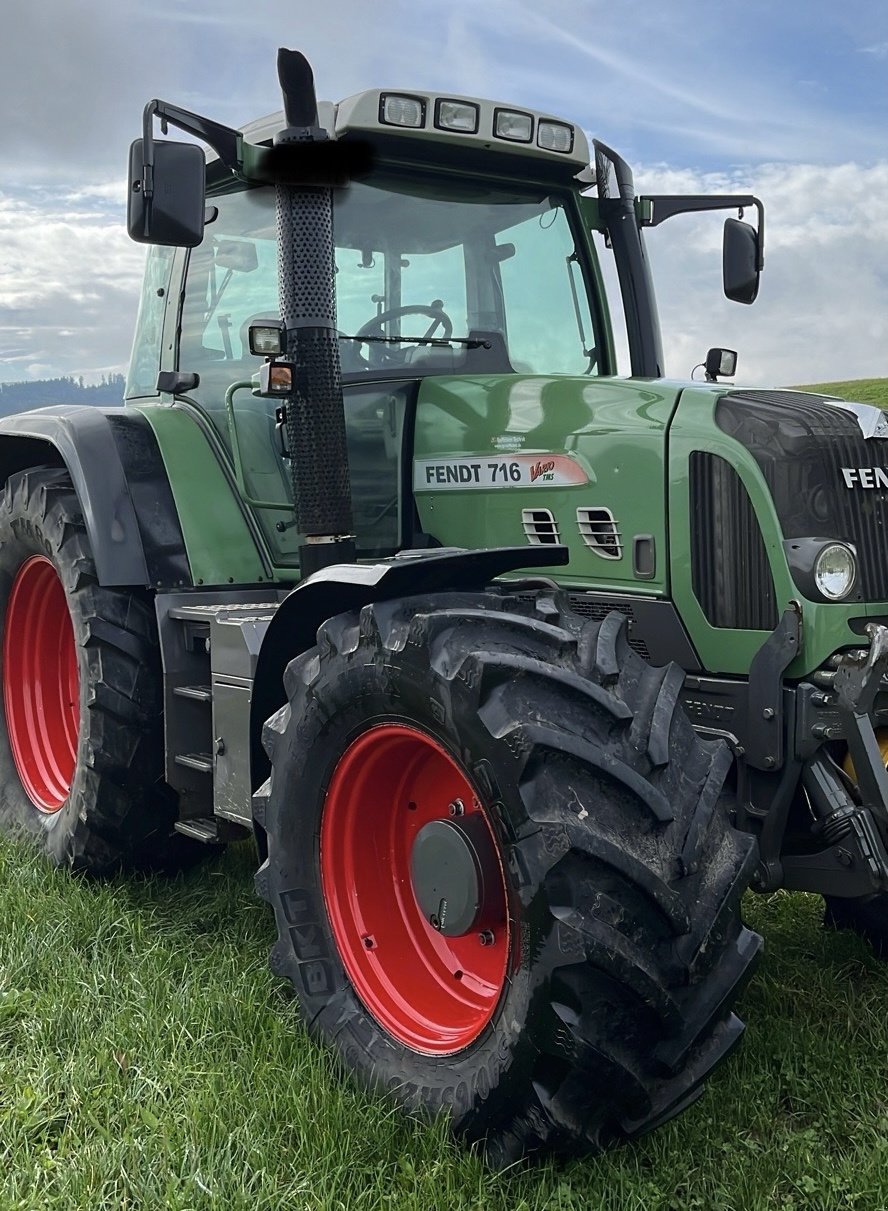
{"x": 341, "y": 587}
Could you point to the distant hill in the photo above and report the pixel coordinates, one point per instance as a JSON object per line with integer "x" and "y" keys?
{"x": 862, "y": 390}
{"x": 40, "y": 393}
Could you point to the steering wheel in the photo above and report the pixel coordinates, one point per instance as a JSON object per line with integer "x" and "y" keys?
{"x": 435, "y": 311}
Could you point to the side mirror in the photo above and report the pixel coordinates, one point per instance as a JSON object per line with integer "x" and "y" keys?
{"x": 174, "y": 213}
{"x": 740, "y": 261}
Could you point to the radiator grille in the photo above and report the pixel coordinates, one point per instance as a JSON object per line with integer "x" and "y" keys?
{"x": 730, "y": 573}
{"x": 802, "y": 443}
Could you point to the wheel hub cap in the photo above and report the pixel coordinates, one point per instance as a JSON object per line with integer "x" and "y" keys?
{"x": 455, "y": 875}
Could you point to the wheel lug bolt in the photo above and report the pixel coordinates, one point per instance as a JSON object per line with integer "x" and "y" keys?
{"x": 457, "y": 808}
{"x": 486, "y": 937}
{"x": 434, "y": 922}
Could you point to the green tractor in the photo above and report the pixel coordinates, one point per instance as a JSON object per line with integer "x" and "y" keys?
{"x": 519, "y": 673}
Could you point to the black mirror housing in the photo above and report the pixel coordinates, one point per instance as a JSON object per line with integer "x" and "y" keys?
{"x": 174, "y": 213}
{"x": 740, "y": 261}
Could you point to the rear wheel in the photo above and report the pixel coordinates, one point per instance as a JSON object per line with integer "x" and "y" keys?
{"x": 81, "y": 746}
{"x": 505, "y": 882}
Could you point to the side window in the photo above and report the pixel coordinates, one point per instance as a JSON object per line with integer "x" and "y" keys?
{"x": 145, "y": 358}
{"x": 231, "y": 281}
{"x": 549, "y": 327}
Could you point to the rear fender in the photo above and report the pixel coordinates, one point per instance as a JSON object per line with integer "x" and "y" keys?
{"x": 120, "y": 481}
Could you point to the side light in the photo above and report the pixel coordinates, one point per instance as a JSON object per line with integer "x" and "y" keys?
{"x": 514, "y": 125}
{"x": 275, "y": 378}
{"x": 398, "y": 110}
{"x": 555, "y": 136}
{"x": 457, "y": 115}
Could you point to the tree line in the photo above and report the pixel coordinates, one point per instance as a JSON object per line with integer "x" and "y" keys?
{"x": 40, "y": 393}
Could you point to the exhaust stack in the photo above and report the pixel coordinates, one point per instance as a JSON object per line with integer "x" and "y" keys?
{"x": 306, "y": 281}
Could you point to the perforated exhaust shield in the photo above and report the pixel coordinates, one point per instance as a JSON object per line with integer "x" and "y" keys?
{"x": 315, "y": 417}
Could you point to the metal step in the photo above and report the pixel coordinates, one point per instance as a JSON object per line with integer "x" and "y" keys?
{"x": 200, "y": 693}
{"x": 212, "y": 830}
{"x": 201, "y": 828}
{"x": 224, "y": 609}
{"x": 202, "y": 762}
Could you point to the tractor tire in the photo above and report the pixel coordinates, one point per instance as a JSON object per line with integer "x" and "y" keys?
{"x": 81, "y": 745}
{"x": 867, "y": 916}
{"x": 538, "y": 757}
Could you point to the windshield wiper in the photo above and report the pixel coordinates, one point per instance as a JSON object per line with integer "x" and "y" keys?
{"x": 471, "y": 342}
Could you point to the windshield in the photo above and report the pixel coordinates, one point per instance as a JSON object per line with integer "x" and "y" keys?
{"x": 426, "y": 271}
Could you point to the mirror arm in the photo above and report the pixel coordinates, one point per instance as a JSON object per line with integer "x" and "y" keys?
{"x": 227, "y": 143}
{"x": 657, "y": 209}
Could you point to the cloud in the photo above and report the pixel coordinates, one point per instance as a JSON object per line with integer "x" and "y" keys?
{"x": 822, "y": 311}
{"x": 653, "y": 78}
{"x": 69, "y": 287}
{"x": 667, "y": 84}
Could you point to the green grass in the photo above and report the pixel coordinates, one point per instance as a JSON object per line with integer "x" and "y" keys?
{"x": 148, "y": 1059}
{"x": 862, "y": 390}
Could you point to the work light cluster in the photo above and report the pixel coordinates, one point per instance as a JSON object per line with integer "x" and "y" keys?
{"x": 464, "y": 117}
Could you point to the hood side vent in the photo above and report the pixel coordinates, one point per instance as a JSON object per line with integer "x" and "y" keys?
{"x": 540, "y": 527}
{"x": 600, "y": 531}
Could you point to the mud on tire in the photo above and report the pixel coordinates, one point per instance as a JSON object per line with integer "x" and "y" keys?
{"x": 622, "y": 871}
{"x": 111, "y": 807}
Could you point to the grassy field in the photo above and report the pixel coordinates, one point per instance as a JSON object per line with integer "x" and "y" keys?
{"x": 863, "y": 390}
{"x": 149, "y": 1060}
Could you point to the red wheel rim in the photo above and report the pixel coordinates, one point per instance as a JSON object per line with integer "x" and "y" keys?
{"x": 434, "y": 994}
{"x": 41, "y": 684}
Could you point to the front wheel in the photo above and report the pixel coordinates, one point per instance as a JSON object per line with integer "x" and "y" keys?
{"x": 505, "y": 882}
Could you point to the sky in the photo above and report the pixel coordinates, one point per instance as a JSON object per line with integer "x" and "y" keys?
{"x": 784, "y": 98}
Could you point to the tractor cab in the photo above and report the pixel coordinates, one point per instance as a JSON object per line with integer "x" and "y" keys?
{"x": 437, "y": 272}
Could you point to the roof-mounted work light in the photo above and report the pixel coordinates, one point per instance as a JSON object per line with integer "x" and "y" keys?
{"x": 398, "y": 110}
{"x": 456, "y": 115}
{"x": 514, "y": 125}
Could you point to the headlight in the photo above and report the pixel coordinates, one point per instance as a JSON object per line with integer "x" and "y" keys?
{"x": 835, "y": 569}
